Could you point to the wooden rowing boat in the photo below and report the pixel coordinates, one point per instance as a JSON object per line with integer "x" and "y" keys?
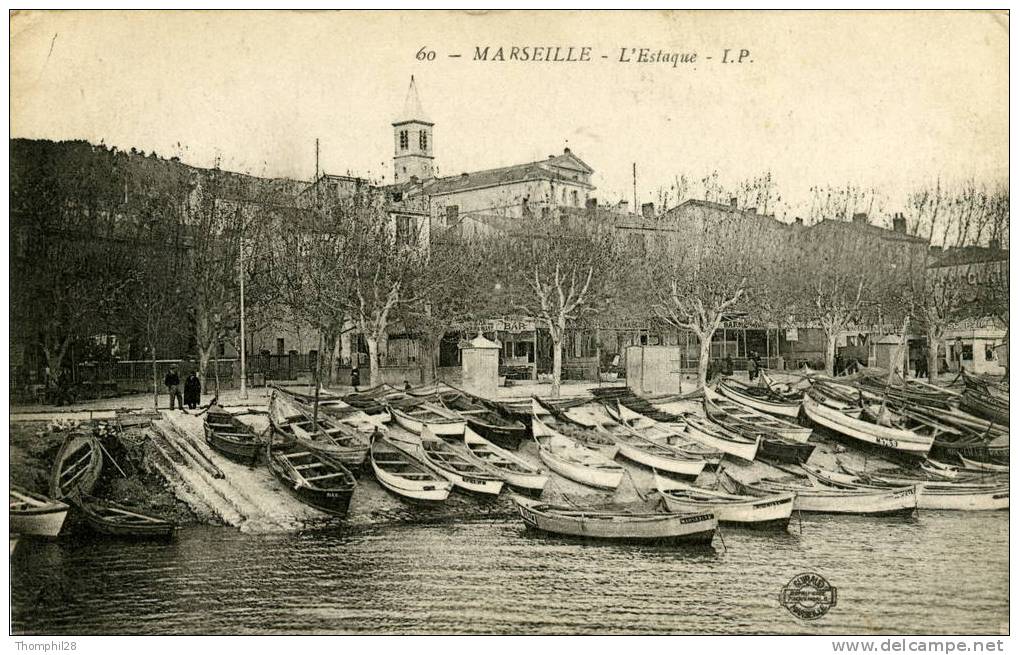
{"x": 438, "y": 420}
{"x": 761, "y": 399}
{"x": 832, "y": 412}
{"x": 617, "y": 524}
{"x": 871, "y": 502}
{"x": 667, "y": 434}
{"x": 452, "y": 462}
{"x": 116, "y": 520}
{"x": 313, "y": 478}
{"x": 35, "y": 514}
{"x": 734, "y": 415}
{"x": 399, "y": 471}
{"x": 983, "y": 466}
{"x": 293, "y": 421}
{"x": 930, "y": 495}
{"x": 715, "y": 436}
{"x": 517, "y": 473}
{"x": 768, "y": 513}
{"x": 573, "y": 460}
{"x": 77, "y": 466}
{"x": 230, "y": 436}
{"x": 985, "y": 399}
{"x": 487, "y": 421}
{"x": 587, "y": 428}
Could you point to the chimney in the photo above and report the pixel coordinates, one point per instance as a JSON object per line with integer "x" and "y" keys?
{"x": 899, "y": 223}
{"x": 798, "y": 221}
{"x": 413, "y": 179}
{"x": 751, "y": 210}
{"x": 860, "y": 218}
{"x": 647, "y": 210}
{"x": 566, "y": 151}
{"x": 591, "y": 203}
{"x": 936, "y": 250}
{"x": 623, "y": 206}
{"x": 732, "y": 202}
{"x": 464, "y": 176}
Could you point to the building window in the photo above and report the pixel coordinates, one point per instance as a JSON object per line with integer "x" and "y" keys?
{"x": 279, "y": 346}
{"x": 406, "y": 231}
{"x": 576, "y": 198}
{"x": 404, "y": 140}
{"x": 423, "y": 140}
{"x": 564, "y": 196}
{"x": 452, "y": 215}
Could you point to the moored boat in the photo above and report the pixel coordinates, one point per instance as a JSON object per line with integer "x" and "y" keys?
{"x": 715, "y": 436}
{"x": 834, "y": 413}
{"x": 740, "y": 418}
{"x": 768, "y": 513}
{"x": 871, "y": 502}
{"x": 231, "y": 437}
{"x": 77, "y": 466}
{"x": 402, "y": 473}
{"x": 452, "y": 463}
{"x": 668, "y": 434}
{"x": 116, "y": 520}
{"x": 312, "y": 478}
{"x": 573, "y": 460}
{"x": 617, "y": 524}
{"x": 35, "y": 514}
{"x": 787, "y": 451}
{"x": 761, "y": 398}
{"x": 437, "y": 420}
{"x": 983, "y": 466}
{"x": 487, "y": 421}
{"x": 517, "y": 473}
{"x": 293, "y": 421}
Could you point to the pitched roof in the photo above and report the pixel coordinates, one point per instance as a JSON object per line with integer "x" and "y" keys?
{"x": 412, "y": 110}
{"x": 872, "y": 230}
{"x": 969, "y": 255}
{"x": 537, "y": 170}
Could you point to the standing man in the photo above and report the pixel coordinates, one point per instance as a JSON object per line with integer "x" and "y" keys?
{"x": 172, "y": 382}
{"x": 192, "y": 391}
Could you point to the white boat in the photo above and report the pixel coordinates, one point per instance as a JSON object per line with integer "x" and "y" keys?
{"x": 930, "y": 495}
{"x": 35, "y": 514}
{"x": 573, "y": 460}
{"x": 741, "y": 393}
{"x": 848, "y": 421}
{"x": 667, "y": 434}
{"x": 617, "y": 524}
{"x": 974, "y": 465}
{"x": 733, "y": 415}
{"x": 715, "y": 436}
{"x": 438, "y": 420}
{"x": 517, "y": 472}
{"x": 636, "y": 448}
{"x": 401, "y": 472}
{"x": 872, "y": 502}
{"x": 770, "y": 512}
{"x": 452, "y": 463}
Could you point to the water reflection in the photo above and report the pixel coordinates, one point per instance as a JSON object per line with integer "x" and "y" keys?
{"x": 942, "y": 572}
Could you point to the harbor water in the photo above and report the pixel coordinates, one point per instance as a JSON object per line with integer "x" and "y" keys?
{"x": 940, "y": 572}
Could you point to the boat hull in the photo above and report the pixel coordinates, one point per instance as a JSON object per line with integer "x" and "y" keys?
{"x": 503, "y": 436}
{"x": 757, "y": 513}
{"x": 903, "y": 442}
{"x": 743, "y": 450}
{"x": 993, "y": 500}
{"x": 41, "y": 522}
{"x": 77, "y": 467}
{"x": 242, "y": 451}
{"x": 660, "y": 529}
{"x": 787, "y": 452}
{"x": 787, "y": 410}
{"x": 602, "y": 479}
{"x": 686, "y": 467}
{"x": 415, "y": 425}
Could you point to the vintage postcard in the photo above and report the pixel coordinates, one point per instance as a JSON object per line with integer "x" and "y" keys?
{"x": 510, "y": 323}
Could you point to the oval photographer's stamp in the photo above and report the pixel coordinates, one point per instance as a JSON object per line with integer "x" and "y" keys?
{"x": 808, "y": 596}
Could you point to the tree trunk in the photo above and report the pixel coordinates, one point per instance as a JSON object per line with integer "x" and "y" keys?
{"x": 204, "y": 355}
{"x": 557, "y": 365}
{"x": 155, "y": 379}
{"x": 430, "y": 356}
{"x": 704, "y": 359}
{"x": 374, "y": 371}
{"x": 829, "y": 352}
{"x": 932, "y": 354}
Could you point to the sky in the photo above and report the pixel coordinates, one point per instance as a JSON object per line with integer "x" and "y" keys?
{"x": 885, "y": 100}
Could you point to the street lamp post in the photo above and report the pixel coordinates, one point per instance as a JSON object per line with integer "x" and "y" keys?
{"x": 244, "y": 374}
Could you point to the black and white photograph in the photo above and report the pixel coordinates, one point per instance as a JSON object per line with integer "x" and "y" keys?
{"x": 509, "y": 322}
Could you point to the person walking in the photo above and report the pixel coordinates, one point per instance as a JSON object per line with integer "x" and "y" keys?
{"x": 727, "y": 365}
{"x": 753, "y": 365}
{"x": 172, "y": 382}
{"x": 192, "y": 391}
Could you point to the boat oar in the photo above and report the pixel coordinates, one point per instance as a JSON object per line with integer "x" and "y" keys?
{"x": 107, "y": 453}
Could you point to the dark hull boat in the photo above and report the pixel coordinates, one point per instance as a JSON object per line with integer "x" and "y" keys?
{"x": 985, "y": 399}
{"x": 312, "y": 478}
{"x": 501, "y": 430}
{"x": 230, "y": 437}
{"x": 77, "y": 466}
{"x": 787, "y": 451}
{"x": 118, "y": 521}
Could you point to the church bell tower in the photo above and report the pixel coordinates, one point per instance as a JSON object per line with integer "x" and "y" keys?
{"x": 412, "y": 140}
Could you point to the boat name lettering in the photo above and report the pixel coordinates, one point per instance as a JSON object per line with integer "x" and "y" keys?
{"x": 773, "y": 503}
{"x": 696, "y": 519}
{"x": 891, "y": 443}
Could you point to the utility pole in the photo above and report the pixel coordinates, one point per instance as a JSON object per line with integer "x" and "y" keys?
{"x": 316, "y": 160}
{"x": 244, "y": 345}
{"x": 634, "y": 187}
